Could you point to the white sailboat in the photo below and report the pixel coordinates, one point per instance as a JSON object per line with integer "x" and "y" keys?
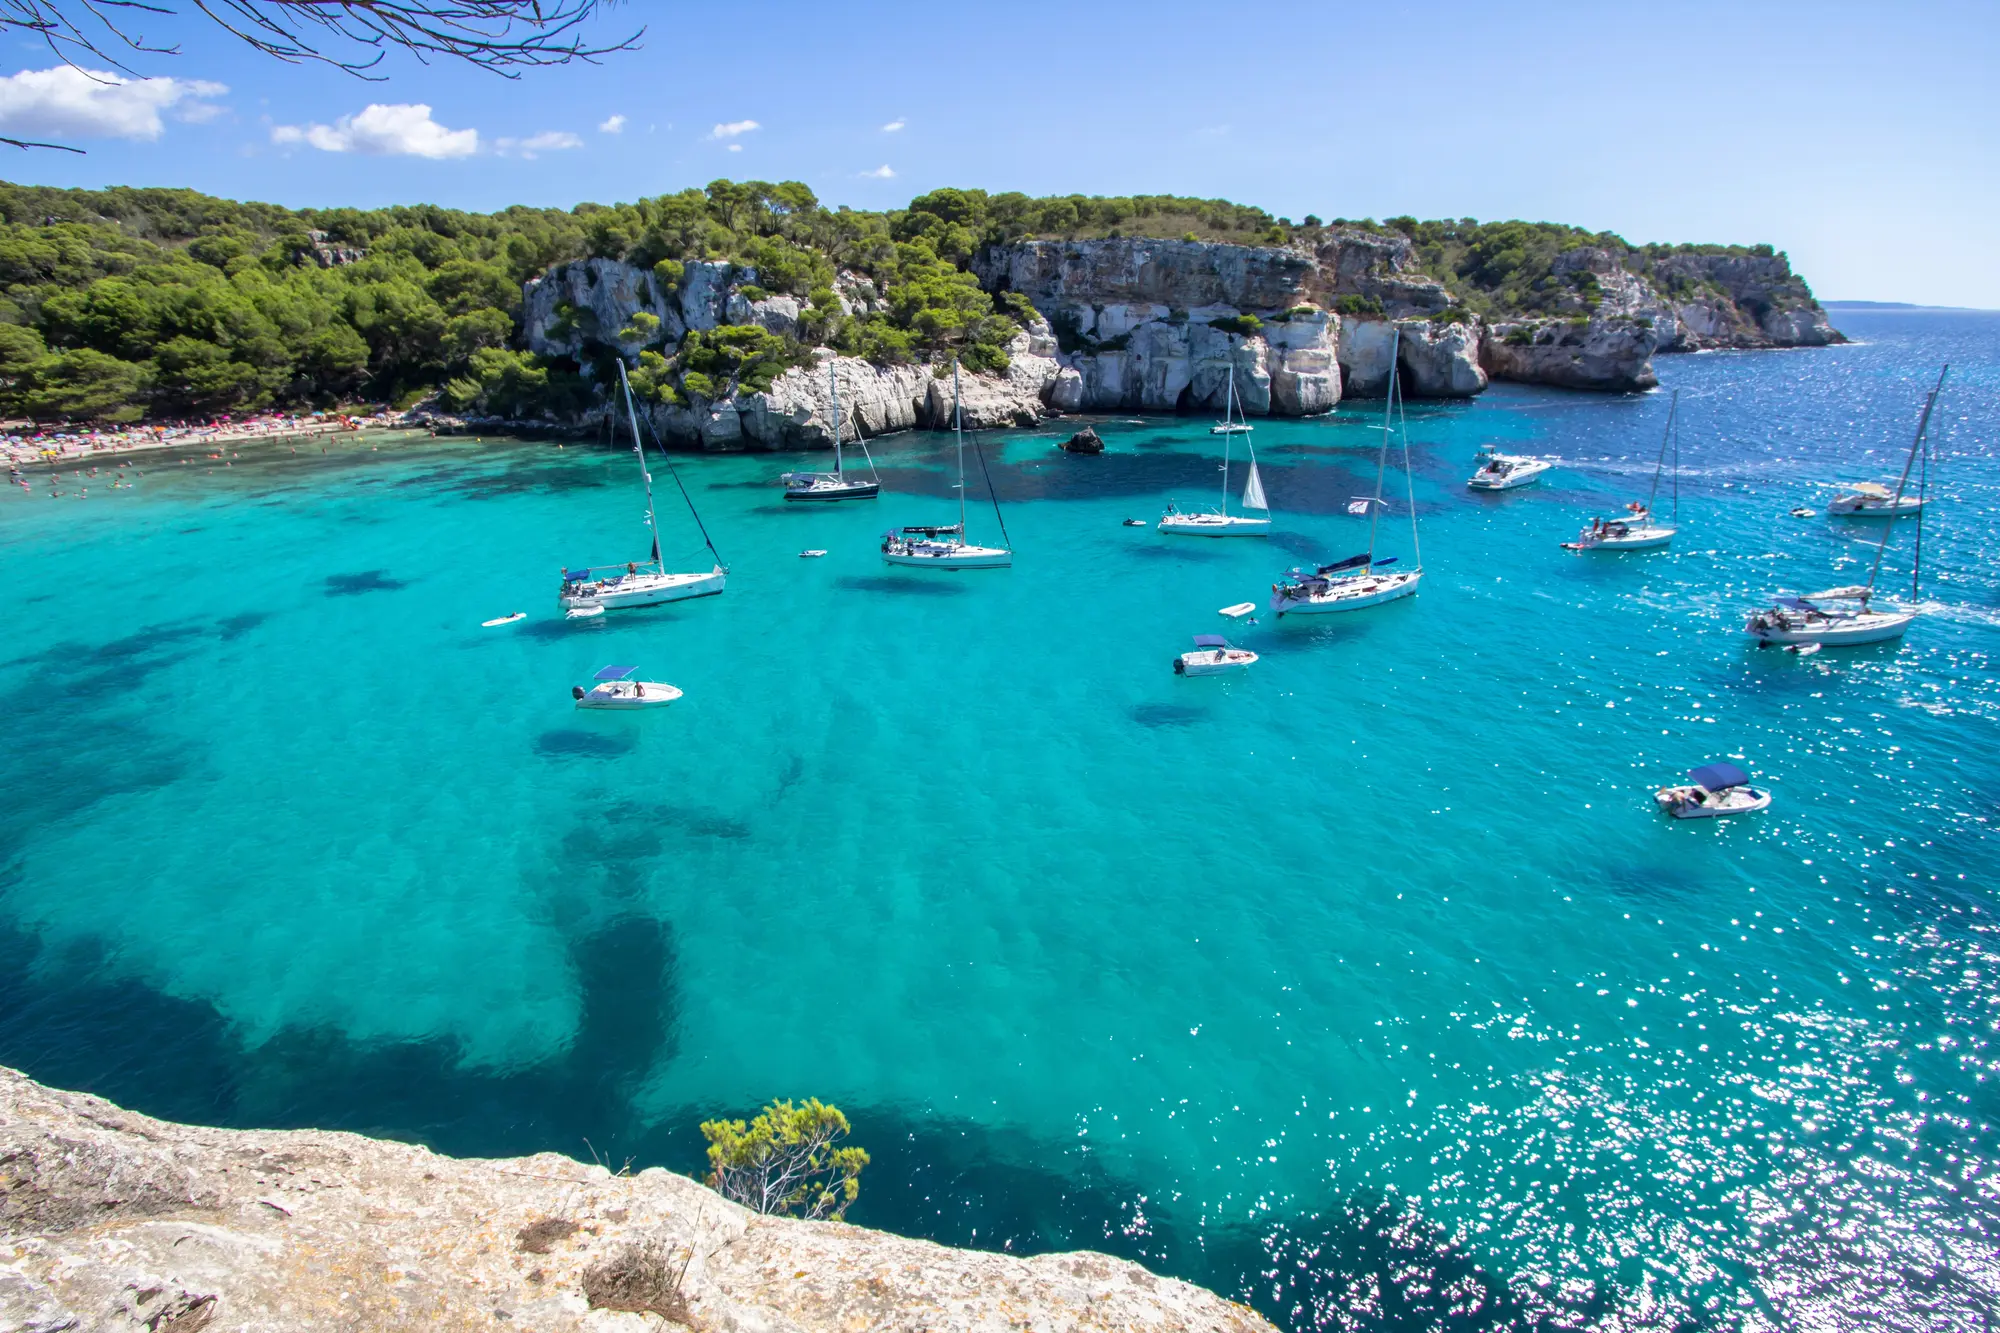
{"x": 834, "y": 485}
{"x": 1845, "y": 616}
{"x": 1233, "y": 421}
{"x": 946, "y": 547}
{"x": 1361, "y": 580}
{"x": 1220, "y": 522}
{"x": 593, "y": 589}
{"x": 1637, "y": 529}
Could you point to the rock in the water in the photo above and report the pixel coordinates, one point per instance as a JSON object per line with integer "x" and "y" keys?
{"x": 1085, "y": 441}
{"x": 114, "y": 1221}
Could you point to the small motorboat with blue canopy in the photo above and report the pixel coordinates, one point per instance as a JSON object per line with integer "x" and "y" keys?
{"x": 1212, "y": 656}
{"x": 615, "y": 688}
{"x": 1715, "y": 789}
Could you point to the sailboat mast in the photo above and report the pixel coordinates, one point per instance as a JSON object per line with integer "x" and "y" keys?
{"x": 1673, "y": 405}
{"x": 1410, "y": 486}
{"x": 1382, "y": 458}
{"x": 958, "y": 428}
{"x": 839, "y": 472}
{"x": 1895, "y": 505}
{"x": 632, "y": 417}
{"x": 1228, "y": 415}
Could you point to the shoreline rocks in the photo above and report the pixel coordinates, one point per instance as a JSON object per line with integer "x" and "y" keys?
{"x": 113, "y": 1220}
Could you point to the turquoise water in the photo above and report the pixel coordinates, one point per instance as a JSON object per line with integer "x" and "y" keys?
{"x": 1368, "y": 986}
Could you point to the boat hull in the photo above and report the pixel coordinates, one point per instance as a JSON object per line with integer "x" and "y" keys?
{"x": 1735, "y": 801}
{"x": 1638, "y": 539}
{"x": 1854, "y": 507}
{"x": 1367, "y": 592}
{"x": 658, "y": 695}
{"x": 647, "y": 590}
{"x": 1523, "y": 472}
{"x": 957, "y": 557}
{"x": 852, "y": 490}
{"x": 1209, "y": 662}
{"x": 1214, "y": 525}
{"x": 1871, "y": 627}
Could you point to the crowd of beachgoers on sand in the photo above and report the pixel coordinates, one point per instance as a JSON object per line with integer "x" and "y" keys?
{"x": 26, "y": 443}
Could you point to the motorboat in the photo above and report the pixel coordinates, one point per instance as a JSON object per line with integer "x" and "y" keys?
{"x": 811, "y": 554}
{"x": 1716, "y": 789}
{"x": 1637, "y": 529}
{"x": 648, "y": 582}
{"x": 1851, "y": 617}
{"x": 1212, "y": 656}
{"x": 503, "y": 620}
{"x": 1362, "y": 580}
{"x": 945, "y": 547}
{"x": 834, "y": 485}
{"x": 1135, "y": 523}
{"x": 615, "y": 688}
{"x": 1503, "y": 472}
{"x": 1867, "y": 499}
{"x": 1219, "y": 522}
{"x": 1808, "y": 619}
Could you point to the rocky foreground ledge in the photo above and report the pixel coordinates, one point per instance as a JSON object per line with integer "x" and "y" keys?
{"x": 114, "y": 1221}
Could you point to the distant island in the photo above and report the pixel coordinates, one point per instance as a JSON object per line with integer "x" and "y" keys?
{"x": 734, "y": 306}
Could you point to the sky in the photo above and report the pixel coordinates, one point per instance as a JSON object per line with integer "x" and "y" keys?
{"x": 1862, "y": 140}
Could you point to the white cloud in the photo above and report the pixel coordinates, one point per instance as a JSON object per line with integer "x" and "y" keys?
{"x": 736, "y": 148}
{"x": 65, "y": 102}
{"x": 405, "y": 129}
{"x": 614, "y": 125}
{"x": 549, "y": 141}
{"x": 894, "y": 125}
{"x": 881, "y": 173}
{"x": 733, "y": 129}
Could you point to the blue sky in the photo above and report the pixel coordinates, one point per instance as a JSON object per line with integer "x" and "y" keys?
{"x": 1862, "y": 140}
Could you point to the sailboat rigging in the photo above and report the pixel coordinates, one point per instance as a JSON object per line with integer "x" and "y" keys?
{"x": 946, "y": 547}
{"x": 595, "y": 589}
{"x": 1637, "y": 529}
{"x": 1362, "y": 580}
{"x": 1844, "y": 615}
{"x": 1220, "y": 522}
{"x": 835, "y": 485}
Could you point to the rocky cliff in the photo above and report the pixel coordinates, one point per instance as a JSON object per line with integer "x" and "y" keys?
{"x": 1132, "y": 324}
{"x": 112, "y": 1221}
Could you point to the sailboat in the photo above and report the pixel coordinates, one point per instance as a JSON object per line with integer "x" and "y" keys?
{"x": 1843, "y": 615}
{"x": 946, "y": 547}
{"x": 1361, "y": 580}
{"x": 1233, "y": 421}
{"x": 834, "y": 485}
{"x": 1637, "y": 529}
{"x": 1220, "y": 522}
{"x": 592, "y": 590}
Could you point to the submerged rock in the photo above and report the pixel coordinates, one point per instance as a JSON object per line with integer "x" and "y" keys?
{"x": 113, "y": 1220}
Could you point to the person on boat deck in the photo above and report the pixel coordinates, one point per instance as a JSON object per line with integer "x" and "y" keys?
{"x": 639, "y": 688}
{"x": 631, "y": 567}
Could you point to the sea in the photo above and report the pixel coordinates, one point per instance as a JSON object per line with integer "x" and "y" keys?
{"x": 1367, "y": 986}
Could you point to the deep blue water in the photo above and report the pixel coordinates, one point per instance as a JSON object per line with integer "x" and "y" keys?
{"x": 1368, "y": 987}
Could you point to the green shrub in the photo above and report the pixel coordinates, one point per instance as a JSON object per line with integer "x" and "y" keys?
{"x": 1456, "y": 314}
{"x": 1240, "y": 325}
{"x": 1361, "y": 307}
{"x": 786, "y": 1160}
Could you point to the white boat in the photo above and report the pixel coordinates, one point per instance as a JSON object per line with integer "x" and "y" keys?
{"x": 834, "y": 485}
{"x": 1220, "y": 522}
{"x": 584, "y": 611}
{"x": 615, "y": 688}
{"x": 946, "y": 547}
{"x": 648, "y": 582}
{"x": 1233, "y": 421}
{"x": 1362, "y": 580}
{"x": 1503, "y": 472}
{"x": 1867, "y": 499}
{"x": 813, "y": 554}
{"x": 1717, "y": 789}
{"x": 1212, "y": 656}
{"x": 1843, "y": 617}
{"x": 503, "y": 620}
{"x": 1240, "y": 610}
{"x": 1637, "y": 529}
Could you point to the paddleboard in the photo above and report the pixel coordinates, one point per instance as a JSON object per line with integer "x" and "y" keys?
{"x": 503, "y": 620}
{"x": 1238, "y": 611}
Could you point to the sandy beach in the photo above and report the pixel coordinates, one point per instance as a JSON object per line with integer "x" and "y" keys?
{"x": 29, "y": 446}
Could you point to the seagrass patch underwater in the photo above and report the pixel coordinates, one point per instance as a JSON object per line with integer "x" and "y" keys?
{"x": 1367, "y": 986}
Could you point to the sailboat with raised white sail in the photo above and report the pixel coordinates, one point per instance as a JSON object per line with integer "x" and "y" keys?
{"x": 594, "y": 589}
{"x": 1219, "y": 522}
{"x": 835, "y": 485}
{"x": 1637, "y": 529}
{"x": 946, "y": 547}
{"x": 1362, "y": 580}
{"x": 1843, "y": 616}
